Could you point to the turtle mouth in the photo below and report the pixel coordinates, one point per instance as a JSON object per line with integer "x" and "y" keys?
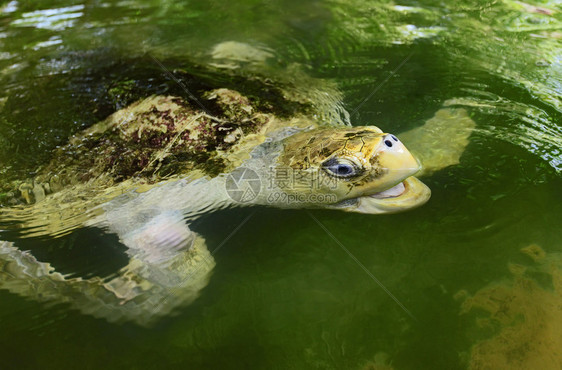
{"x": 393, "y": 192}
{"x": 408, "y": 194}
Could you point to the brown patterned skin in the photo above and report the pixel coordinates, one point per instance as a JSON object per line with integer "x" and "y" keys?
{"x": 306, "y": 148}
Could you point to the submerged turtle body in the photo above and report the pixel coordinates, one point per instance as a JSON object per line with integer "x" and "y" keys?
{"x": 159, "y": 138}
{"x": 153, "y": 139}
{"x": 149, "y": 169}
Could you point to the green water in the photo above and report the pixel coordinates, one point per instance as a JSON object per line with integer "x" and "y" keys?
{"x": 284, "y": 293}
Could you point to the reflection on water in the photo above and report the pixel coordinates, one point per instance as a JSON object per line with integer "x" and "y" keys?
{"x": 283, "y": 294}
{"x": 520, "y": 124}
{"x": 50, "y": 19}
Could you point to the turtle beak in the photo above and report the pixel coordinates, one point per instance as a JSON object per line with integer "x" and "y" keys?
{"x": 396, "y": 160}
{"x": 412, "y": 194}
{"x": 408, "y": 194}
{"x": 391, "y": 163}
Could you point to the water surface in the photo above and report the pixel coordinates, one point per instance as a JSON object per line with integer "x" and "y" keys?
{"x": 284, "y": 294}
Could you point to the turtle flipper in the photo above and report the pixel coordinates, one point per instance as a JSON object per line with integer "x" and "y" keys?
{"x": 150, "y": 286}
{"x": 440, "y": 142}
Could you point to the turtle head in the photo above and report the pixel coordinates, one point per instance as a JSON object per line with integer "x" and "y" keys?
{"x": 357, "y": 169}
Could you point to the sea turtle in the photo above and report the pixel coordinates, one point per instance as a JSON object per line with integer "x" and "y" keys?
{"x": 150, "y": 169}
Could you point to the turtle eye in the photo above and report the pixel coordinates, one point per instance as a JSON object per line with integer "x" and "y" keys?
{"x": 340, "y": 168}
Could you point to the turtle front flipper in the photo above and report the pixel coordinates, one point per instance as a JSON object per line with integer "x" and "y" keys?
{"x": 150, "y": 286}
{"x": 441, "y": 141}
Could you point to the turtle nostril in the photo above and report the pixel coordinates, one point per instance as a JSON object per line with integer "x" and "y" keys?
{"x": 394, "y": 138}
{"x": 388, "y": 143}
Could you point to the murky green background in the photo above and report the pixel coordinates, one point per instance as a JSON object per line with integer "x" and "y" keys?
{"x": 284, "y": 294}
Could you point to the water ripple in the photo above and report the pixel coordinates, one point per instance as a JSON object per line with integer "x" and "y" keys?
{"x": 51, "y": 19}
